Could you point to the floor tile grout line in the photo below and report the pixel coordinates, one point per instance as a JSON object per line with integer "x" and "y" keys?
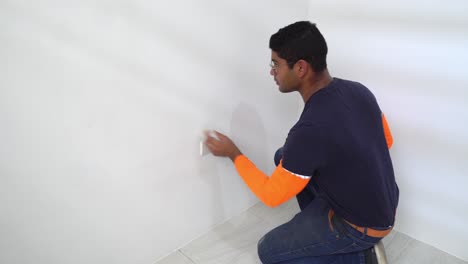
{"x": 246, "y": 211}
{"x": 218, "y": 225}
{"x": 410, "y": 240}
{"x": 189, "y": 258}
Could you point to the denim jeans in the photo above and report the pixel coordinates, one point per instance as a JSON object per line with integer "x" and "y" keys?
{"x": 310, "y": 238}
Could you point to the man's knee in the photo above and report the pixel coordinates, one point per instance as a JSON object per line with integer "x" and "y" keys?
{"x": 262, "y": 249}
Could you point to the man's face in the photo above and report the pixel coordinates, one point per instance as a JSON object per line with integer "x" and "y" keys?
{"x": 284, "y": 77}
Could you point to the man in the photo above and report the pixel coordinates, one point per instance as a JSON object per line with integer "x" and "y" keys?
{"x": 335, "y": 160}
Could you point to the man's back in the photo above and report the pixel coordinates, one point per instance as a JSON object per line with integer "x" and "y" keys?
{"x": 341, "y": 126}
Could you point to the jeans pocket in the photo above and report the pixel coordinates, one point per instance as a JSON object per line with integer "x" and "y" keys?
{"x": 335, "y": 226}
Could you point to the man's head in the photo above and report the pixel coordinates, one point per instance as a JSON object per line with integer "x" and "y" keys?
{"x": 298, "y": 50}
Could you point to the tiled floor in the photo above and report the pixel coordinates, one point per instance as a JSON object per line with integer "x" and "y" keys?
{"x": 235, "y": 241}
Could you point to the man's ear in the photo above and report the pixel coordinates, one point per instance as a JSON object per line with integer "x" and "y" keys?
{"x": 302, "y": 67}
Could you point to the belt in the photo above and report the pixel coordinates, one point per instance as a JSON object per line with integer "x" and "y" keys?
{"x": 365, "y": 230}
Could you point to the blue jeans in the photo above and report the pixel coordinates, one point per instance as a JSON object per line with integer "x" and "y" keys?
{"x": 310, "y": 238}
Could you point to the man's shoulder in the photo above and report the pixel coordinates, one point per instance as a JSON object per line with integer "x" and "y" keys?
{"x": 350, "y": 84}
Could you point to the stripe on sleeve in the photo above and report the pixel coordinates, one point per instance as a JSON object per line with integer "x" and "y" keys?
{"x": 388, "y": 134}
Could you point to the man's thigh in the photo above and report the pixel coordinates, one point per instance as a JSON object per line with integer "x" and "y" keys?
{"x": 308, "y": 234}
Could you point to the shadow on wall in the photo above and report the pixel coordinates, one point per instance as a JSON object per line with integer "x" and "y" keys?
{"x": 248, "y": 132}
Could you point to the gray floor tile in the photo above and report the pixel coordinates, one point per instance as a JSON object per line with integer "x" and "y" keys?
{"x": 277, "y": 215}
{"x": 395, "y": 243}
{"x": 402, "y": 249}
{"x": 449, "y": 259}
{"x": 234, "y": 242}
{"x": 175, "y": 258}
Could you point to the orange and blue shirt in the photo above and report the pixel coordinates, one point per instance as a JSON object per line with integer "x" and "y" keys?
{"x": 340, "y": 147}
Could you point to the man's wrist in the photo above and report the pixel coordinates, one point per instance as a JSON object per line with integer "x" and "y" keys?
{"x": 234, "y": 155}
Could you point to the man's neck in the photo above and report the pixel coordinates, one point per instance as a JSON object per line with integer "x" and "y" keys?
{"x": 314, "y": 84}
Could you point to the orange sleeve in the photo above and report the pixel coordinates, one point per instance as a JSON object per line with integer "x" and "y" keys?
{"x": 388, "y": 134}
{"x": 281, "y": 186}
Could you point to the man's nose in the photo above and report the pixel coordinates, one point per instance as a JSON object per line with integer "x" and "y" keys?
{"x": 272, "y": 72}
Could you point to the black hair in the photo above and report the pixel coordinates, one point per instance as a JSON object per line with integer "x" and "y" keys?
{"x": 301, "y": 41}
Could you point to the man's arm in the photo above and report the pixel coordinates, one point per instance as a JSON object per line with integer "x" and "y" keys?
{"x": 281, "y": 186}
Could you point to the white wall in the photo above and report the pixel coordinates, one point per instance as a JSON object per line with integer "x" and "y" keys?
{"x": 101, "y": 108}
{"x": 413, "y": 56}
